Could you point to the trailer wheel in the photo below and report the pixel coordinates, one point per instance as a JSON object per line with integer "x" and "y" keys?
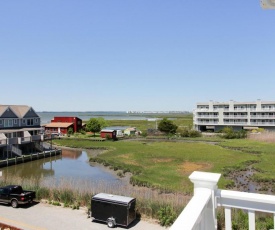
{"x": 111, "y": 223}
{"x": 14, "y": 203}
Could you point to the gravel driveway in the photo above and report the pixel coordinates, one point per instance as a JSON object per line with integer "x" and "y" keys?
{"x": 42, "y": 216}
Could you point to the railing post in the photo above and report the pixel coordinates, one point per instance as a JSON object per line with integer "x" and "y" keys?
{"x": 228, "y": 222}
{"x": 200, "y": 212}
{"x": 251, "y": 220}
{"x": 207, "y": 181}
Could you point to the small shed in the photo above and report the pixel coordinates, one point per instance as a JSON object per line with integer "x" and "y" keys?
{"x": 104, "y": 133}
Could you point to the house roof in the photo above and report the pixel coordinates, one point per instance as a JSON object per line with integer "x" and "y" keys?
{"x": 59, "y": 125}
{"x": 107, "y": 130}
{"x": 19, "y": 110}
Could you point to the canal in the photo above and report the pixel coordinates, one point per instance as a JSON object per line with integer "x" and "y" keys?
{"x": 71, "y": 169}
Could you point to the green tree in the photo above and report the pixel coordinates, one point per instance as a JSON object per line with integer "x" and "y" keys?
{"x": 70, "y": 131}
{"x": 167, "y": 126}
{"x": 95, "y": 125}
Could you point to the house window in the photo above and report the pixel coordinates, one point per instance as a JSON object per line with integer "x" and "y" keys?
{"x": 24, "y": 121}
{"x": 1, "y": 122}
{"x": 15, "y": 121}
{"x": 8, "y": 123}
{"x": 29, "y": 122}
{"x": 36, "y": 120}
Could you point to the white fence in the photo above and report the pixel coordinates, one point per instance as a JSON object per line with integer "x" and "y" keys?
{"x": 200, "y": 213}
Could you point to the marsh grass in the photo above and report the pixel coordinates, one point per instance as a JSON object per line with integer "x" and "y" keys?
{"x": 265, "y": 136}
{"x": 239, "y": 217}
{"x": 75, "y": 193}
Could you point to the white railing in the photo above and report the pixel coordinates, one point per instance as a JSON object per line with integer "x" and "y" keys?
{"x": 207, "y": 122}
{"x": 262, "y": 123}
{"x": 200, "y": 212}
{"x": 206, "y": 116}
{"x": 236, "y": 122}
{"x": 263, "y": 116}
{"x": 235, "y": 116}
{"x": 16, "y": 150}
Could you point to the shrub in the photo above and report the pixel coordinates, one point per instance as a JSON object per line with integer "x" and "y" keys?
{"x": 190, "y": 133}
{"x": 194, "y": 133}
{"x": 184, "y": 133}
{"x": 108, "y": 137}
{"x": 229, "y": 133}
{"x": 166, "y": 216}
{"x": 144, "y": 134}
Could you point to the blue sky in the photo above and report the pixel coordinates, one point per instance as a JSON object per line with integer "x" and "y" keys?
{"x": 117, "y": 55}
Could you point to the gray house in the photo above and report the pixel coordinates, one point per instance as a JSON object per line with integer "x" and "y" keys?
{"x": 20, "y": 130}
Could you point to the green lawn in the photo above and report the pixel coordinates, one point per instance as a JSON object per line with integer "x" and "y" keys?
{"x": 167, "y": 165}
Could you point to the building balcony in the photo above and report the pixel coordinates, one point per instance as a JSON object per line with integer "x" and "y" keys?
{"x": 207, "y": 116}
{"x": 268, "y": 109}
{"x": 206, "y": 122}
{"x": 263, "y": 123}
{"x": 201, "y": 212}
{"x": 240, "y": 109}
{"x": 263, "y": 116}
{"x": 235, "y": 116}
{"x": 235, "y": 123}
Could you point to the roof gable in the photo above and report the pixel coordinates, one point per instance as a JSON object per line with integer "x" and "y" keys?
{"x": 7, "y": 112}
{"x": 17, "y": 111}
{"x": 30, "y": 113}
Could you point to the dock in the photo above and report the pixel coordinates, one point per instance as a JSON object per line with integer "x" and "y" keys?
{"x": 30, "y": 157}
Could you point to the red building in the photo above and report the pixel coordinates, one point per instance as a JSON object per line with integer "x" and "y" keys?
{"x": 104, "y": 133}
{"x": 61, "y": 125}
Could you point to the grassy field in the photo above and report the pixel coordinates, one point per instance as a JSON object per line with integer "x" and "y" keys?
{"x": 167, "y": 165}
{"x": 181, "y": 120}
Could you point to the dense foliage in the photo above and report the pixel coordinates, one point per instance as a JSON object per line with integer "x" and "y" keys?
{"x": 95, "y": 125}
{"x": 229, "y": 133}
{"x": 167, "y": 126}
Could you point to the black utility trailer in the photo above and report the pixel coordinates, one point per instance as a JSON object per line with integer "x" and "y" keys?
{"x": 113, "y": 209}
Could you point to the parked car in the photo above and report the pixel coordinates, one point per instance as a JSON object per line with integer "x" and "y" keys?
{"x": 15, "y": 195}
{"x": 113, "y": 209}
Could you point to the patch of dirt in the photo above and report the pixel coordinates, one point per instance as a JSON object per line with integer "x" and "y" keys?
{"x": 188, "y": 167}
{"x": 162, "y": 160}
{"x": 127, "y": 159}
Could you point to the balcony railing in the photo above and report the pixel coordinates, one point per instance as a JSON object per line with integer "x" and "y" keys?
{"x": 262, "y": 123}
{"x": 235, "y": 122}
{"x": 263, "y": 116}
{"x": 235, "y": 116}
{"x": 206, "y": 116}
{"x": 207, "y": 122}
{"x": 201, "y": 211}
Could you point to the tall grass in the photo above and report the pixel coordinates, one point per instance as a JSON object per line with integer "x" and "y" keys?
{"x": 263, "y": 136}
{"x": 75, "y": 192}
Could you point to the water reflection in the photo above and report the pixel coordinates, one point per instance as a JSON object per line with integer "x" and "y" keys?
{"x": 71, "y": 166}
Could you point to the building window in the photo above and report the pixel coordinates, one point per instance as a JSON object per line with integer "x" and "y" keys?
{"x": 36, "y": 120}
{"x": 8, "y": 123}
{"x": 24, "y": 121}
{"x": 1, "y": 122}
{"x": 29, "y": 122}
{"x": 15, "y": 121}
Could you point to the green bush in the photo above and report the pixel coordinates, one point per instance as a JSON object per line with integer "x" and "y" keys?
{"x": 166, "y": 216}
{"x": 229, "y": 133}
{"x": 190, "y": 133}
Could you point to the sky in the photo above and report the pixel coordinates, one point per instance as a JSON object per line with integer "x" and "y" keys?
{"x": 141, "y": 55}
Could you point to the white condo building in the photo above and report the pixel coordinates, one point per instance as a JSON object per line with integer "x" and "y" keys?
{"x": 239, "y": 115}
